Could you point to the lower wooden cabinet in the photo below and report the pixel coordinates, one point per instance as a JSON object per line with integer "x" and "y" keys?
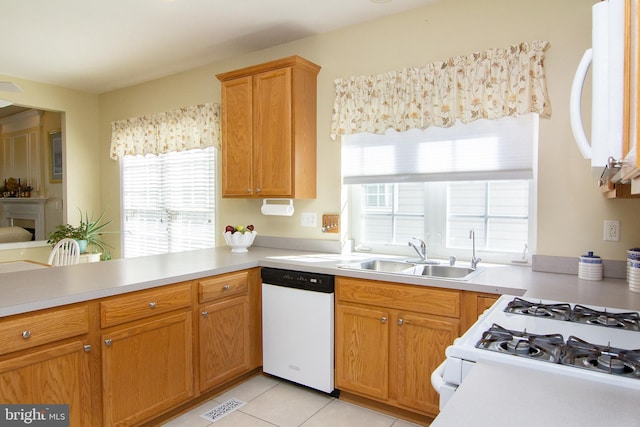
{"x": 147, "y": 356}
{"x": 146, "y": 369}
{"x": 128, "y": 359}
{"x": 419, "y": 342}
{"x": 473, "y": 305}
{"x": 362, "y": 350}
{"x": 224, "y": 341}
{"x": 229, "y": 326}
{"x": 387, "y": 353}
{"x": 45, "y": 358}
{"x": 55, "y": 375}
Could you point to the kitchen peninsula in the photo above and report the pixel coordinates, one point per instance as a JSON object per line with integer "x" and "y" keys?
{"x": 91, "y": 317}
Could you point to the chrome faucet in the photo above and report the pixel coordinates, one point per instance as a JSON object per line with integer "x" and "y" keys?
{"x": 421, "y": 250}
{"x": 474, "y": 259}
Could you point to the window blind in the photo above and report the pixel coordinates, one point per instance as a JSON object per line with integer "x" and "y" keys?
{"x": 168, "y": 202}
{"x": 481, "y": 150}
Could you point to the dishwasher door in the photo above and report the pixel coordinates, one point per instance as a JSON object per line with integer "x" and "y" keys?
{"x": 298, "y": 336}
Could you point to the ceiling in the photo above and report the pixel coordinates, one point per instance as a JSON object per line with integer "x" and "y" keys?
{"x": 101, "y": 45}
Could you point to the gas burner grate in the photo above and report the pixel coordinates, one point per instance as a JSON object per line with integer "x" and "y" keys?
{"x": 615, "y": 361}
{"x": 575, "y": 352}
{"x": 543, "y": 347}
{"x": 578, "y": 314}
{"x": 560, "y": 311}
{"x": 629, "y": 320}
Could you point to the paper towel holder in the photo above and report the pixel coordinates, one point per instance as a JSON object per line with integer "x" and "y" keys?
{"x": 282, "y": 207}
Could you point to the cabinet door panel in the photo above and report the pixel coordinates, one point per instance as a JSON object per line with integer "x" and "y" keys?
{"x": 58, "y": 375}
{"x": 237, "y": 137}
{"x": 272, "y": 133}
{"x": 421, "y": 344}
{"x": 146, "y": 369}
{"x": 362, "y": 350}
{"x": 224, "y": 341}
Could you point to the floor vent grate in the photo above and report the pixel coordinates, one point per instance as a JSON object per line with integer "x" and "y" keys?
{"x": 222, "y": 410}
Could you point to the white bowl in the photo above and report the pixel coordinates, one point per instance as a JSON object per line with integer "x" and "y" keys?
{"x": 239, "y": 242}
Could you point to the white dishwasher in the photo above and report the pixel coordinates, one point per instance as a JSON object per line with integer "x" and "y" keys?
{"x": 298, "y": 328}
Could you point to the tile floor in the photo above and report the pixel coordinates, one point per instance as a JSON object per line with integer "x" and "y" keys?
{"x": 270, "y": 402}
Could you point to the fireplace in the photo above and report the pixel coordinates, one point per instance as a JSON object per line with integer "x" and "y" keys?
{"x": 24, "y": 212}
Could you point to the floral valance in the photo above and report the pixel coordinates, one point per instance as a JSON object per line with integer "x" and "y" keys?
{"x": 491, "y": 84}
{"x": 197, "y": 126}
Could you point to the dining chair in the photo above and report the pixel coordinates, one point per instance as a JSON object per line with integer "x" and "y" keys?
{"x": 65, "y": 252}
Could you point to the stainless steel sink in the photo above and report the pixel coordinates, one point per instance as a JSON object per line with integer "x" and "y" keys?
{"x": 413, "y": 269}
{"x": 383, "y": 266}
{"x": 446, "y": 271}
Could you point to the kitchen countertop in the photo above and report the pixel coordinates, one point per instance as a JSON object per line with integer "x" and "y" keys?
{"x": 497, "y": 395}
{"x": 31, "y": 290}
{"x": 534, "y": 393}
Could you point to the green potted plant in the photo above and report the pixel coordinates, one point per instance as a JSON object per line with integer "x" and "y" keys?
{"x": 88, "y": 233}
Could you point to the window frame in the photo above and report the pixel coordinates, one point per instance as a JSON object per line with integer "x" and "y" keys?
{"x": 435, "y": 228}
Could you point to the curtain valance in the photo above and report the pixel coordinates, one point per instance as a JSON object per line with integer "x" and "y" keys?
{"x": 196, "y": 126}
{"x": 491, "y": 84}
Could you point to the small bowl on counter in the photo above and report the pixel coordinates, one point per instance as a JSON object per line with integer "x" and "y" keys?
{"x": 239, "y": 242}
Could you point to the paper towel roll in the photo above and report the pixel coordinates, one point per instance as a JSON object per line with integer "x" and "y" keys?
{"x": 282, "y": 207}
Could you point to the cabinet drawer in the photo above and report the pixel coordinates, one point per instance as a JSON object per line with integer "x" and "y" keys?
{"x": 436, "y": 301}
{"x": 223, "y": 286}
{"x": 38, "y": 329}
{"x": 139, "y": 305}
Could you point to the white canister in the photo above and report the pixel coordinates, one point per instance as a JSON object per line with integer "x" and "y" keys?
{"x": 633, "y": 256}
{"x": 590, "y": 267}
{"x": 633, "y": 269}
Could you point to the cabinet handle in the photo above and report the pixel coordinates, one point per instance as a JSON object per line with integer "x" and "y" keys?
{"x": 205, "y": 313}
{"x": 226, "y": 287}
{"x": 400, "y": 322}
{"x": 248, "y": 190}
{"x": 87, "y": 348}
{"x": 26, "y": 334}
{"x": 383, "y": 319}
{"x": 258, "y": 190}
{"x": 152, "y": 304}
{"x": 108, "y": 342}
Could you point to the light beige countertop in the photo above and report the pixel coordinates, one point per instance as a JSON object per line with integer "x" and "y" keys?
{"x": 502, "y": 395}
{"x": 31, "y": 290}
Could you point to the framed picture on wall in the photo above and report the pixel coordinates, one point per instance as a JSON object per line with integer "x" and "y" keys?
{"x": 55, "y": 156}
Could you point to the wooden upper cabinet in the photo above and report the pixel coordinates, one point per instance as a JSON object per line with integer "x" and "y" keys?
{"x": 269, "y": 130}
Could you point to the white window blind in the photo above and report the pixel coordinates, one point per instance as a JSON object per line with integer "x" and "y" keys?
{"x": 168, "y": 202}
{"x": 481, "y": 150}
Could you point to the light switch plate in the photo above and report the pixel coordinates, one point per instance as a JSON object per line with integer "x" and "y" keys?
{"x": 309, "y": 219}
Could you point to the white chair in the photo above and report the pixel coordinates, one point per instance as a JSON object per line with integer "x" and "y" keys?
{"x": 65, "y": 252}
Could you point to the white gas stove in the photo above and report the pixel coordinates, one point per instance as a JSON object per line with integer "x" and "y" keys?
{"x": 595, "y": 343}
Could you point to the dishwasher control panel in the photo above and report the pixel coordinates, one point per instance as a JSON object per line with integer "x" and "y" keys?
{"x": 299, "y": 279}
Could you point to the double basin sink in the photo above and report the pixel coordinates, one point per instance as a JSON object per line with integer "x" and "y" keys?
{"x": 413, "y": 269}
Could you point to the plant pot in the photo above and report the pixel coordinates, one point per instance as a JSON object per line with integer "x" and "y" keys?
{"x": 83, "y": 245}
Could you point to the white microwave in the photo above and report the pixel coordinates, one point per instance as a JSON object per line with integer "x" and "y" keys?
{"x": 606, "y": 60}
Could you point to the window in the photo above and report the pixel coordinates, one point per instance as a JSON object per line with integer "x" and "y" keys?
{"x": 168, "y": 202}
{"x": 438, "y": 187}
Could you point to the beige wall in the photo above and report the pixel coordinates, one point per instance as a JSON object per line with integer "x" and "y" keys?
{"x": 570, "y": 208}
{"x": 80, "y": 122}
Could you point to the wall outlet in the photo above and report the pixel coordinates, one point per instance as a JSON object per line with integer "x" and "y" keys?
{"x": 309, "y": 219}
{"x": 612, "y": 230}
